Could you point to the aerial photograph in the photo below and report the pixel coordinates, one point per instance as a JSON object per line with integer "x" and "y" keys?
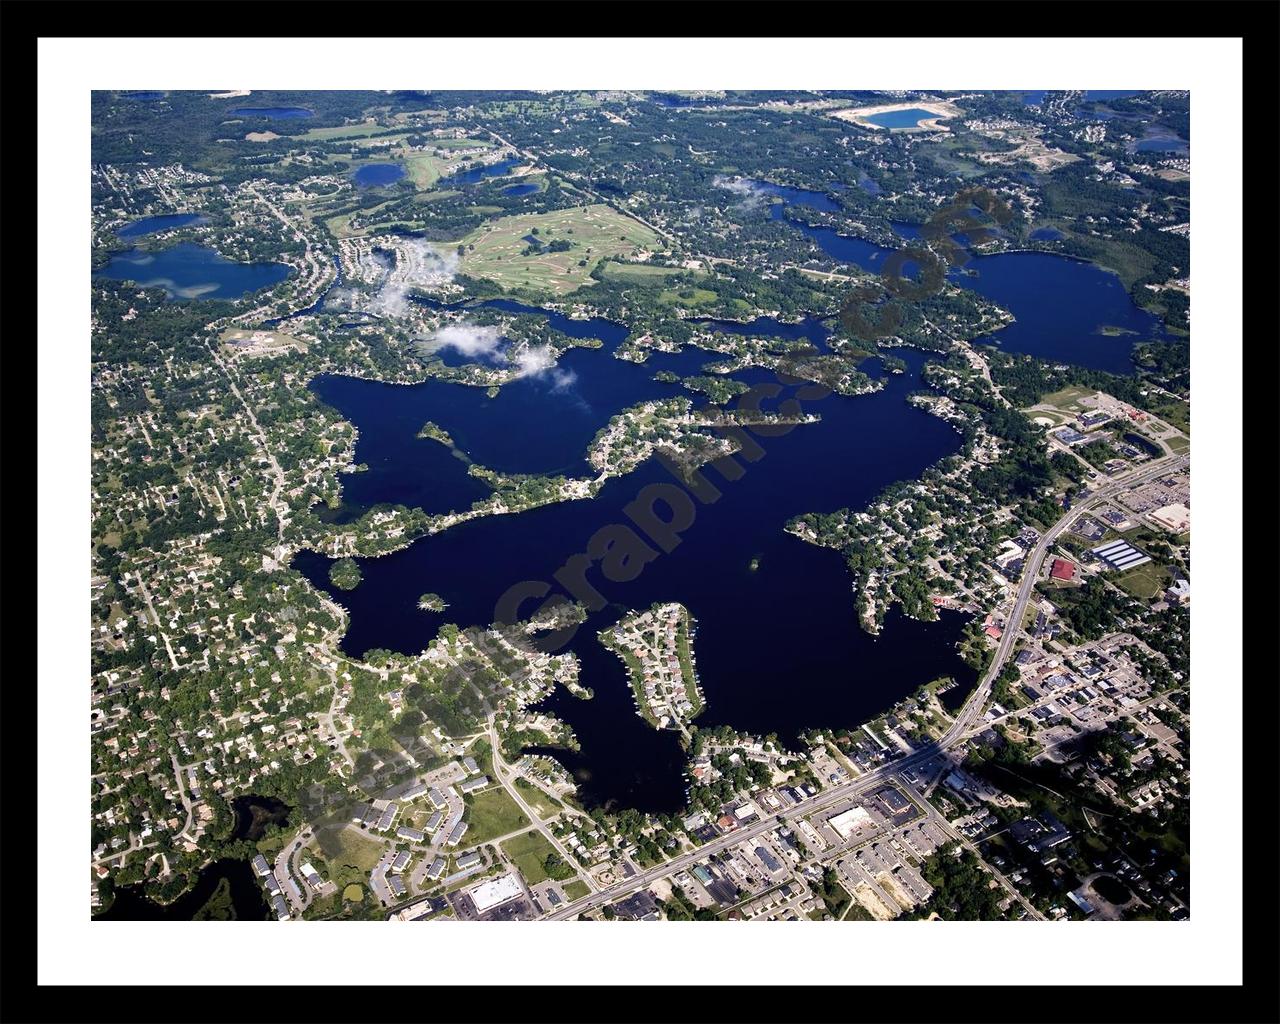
{"x": 639, "y": 505}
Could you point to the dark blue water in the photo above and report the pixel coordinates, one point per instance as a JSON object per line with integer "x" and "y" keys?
{"x": 801, "y": 196}
{"x": 607, "y": 331}
{"x": 778, "y": 648}
{"x": 1111, "y": 94}
{"x": 811, "y": 328}
{"x": 841, "y": 248}
{"x": 192, "y": 272}
{"x": 375, "y": 175}
{"x": 523, "y": 189}
{"x": 145, "y": 97}
{"x": 247, "y": 897}
{"x": 1059, "y": 302}
{"x": 900, "y": 118}
{"x": 1046, "y": 235}
{"x": 1162, "y": 144}
{"x": 163, "y": 222}
{"x": 274, "y": 113}
{"x": 554, "y": 415}
{"x": 476, "y": 174}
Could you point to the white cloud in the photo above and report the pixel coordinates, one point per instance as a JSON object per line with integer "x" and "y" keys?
{"x": 418, "y": 264}
{"x": 531, "y": 362}
{"x": 540, "y": 363}
{"x": 751, "y": 192}
{"x": 563, "y": 380}
{"x": 470, "y": 340}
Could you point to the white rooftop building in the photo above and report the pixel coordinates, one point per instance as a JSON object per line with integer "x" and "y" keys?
{"x": 495, "y": 892}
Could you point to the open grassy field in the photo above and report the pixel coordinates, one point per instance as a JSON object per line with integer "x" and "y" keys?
{"x": 1145, "y": 581}
{"x": 357, "y": 850}
{"x": 426, "y": 168}
{"x": 340, "y": 226}
{"x": 1068, "y": 399}
{"x": 528, "y": 852}
{"x": 576, "y": 889}
{"x": 686, "y": 297}
{"x": 545, "y": 805}
{"x": 639, "y": 272}
{"x": 595, "y": 232}
{"x": 492, "y": 813}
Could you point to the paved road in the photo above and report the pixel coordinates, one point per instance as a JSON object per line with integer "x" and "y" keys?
{"x": 182, "y": 795}
{"x": 146, "y": 596}
{"x": 972, "y": 709}
{"x": 278, "y": 507}
{"x": 506, "y": 780}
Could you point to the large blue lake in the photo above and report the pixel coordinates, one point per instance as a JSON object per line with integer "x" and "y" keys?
{"x": 778, "y": 647}
{"x": 554, "y": 416}
{"x": 161, "y": 222}
{"x": 1060, "y": 303}
{"x": 375, "y": 175}
{"x": 900, "y": 118}
{"x": 494, "y": 170}
{"x": 192, "y": 272}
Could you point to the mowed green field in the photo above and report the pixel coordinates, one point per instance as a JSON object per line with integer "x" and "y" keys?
{"x": 425, "y": 169}
{"x": 528, "y": 852}
{"x": 1146, "y": 581}
{"x": 358, "y": 850}
{"x": 492, "y": 813}
{"x": 1068, "y": 399}
{"x": 595, "y": 232}
{"x": 639, "y": 272}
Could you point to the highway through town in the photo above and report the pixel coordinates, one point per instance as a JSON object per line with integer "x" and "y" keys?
{"x": 972, "y": 709}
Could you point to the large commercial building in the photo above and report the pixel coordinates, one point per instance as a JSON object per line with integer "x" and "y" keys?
{"x": 1175, "y": 518}
{"x": 1120, "y": 555}
{"x": 488, "y": 895}
{"x": 847, "y": 822}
